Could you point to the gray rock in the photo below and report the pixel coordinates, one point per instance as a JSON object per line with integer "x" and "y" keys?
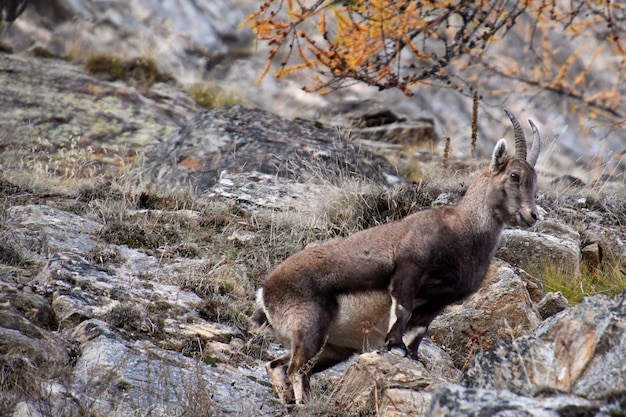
{"x": 390, "y": 384}
{"x": 34, "y": 350}
{"x": 533, "y": 251}
{"x": 257, "y": 190}
{"x": 373, "y": 120}
{"x": 185, "y": 36}
{"x": 415, "y": 133}
{"x": 456, "y": 401}
{"x": 443, "y": 199}
{"x": 113, "y": 373}
{"x": 29, "y": 362}
{"x": 591, "y": 256}
{"x": 26, "y": 409}
{"x": 72, "y": 111}
{"x": 236, "y": 139}
{"x": 579, "y": 351}
{"x": 437, "y": 361}
{"x": 534, "y": 286}
{"x": 552, "y": 303}
{"x": 117, "y": 377}
{"x": 44, "y": 230}
{"x": 611, "y": 244}
{"x": 501, "y": 309}
{"x": 556, "y": 227}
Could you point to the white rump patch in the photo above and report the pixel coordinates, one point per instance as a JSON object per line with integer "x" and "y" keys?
{"x": 259, "y": 298}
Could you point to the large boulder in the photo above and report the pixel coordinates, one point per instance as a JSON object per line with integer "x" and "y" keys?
{"x": 185, "y": 37}
{"x": 501, "y": 309}
{"x": 373, "y": 120}
{"x": 555, "y": 245}
{"x": 125, "y": 377}
{"x": 573, "y": 364}
{"x": 74, "y": 116}
{"x": 457, "y": 401}
{"x": 392, "y": 385}
{"x": 579, "y": 351}
{"x": 236, "y": 139}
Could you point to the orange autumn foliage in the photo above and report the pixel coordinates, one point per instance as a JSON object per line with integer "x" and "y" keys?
{"x": 406, "y": 43}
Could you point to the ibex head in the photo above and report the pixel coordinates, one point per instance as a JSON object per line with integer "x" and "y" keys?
{"x": 516, "y": 178}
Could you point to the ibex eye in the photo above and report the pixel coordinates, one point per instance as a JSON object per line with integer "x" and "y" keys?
{"x": 514, "y": 177}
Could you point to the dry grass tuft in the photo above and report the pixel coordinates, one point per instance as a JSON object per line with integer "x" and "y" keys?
{"x": 609, "y": 280}
{"x": 12, "y": 254}
{"x": 575, "y": 203}
{"x": 26, "y": 371}
{"x": 474, "y": 127}
{"x": 581, "y": 206}
{"x": 212, "y": 96}
{"x": 18, "y": 379}
{"x": 360, "y": 206}
{"x": 126, "y": 316}
{"x": 446, "y": 153}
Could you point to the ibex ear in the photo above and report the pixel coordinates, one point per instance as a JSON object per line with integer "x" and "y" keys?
{"x": 499, "y": 156}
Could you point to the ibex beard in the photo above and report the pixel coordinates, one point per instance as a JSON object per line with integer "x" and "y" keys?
{"x": 383, "y": 286}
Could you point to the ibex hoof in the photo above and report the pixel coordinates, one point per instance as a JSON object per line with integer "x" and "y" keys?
{"x": 414, "y": 356}
{"x": 397, "y": 349}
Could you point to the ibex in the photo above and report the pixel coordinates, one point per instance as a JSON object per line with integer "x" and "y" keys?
{"x": 385, "y": 285}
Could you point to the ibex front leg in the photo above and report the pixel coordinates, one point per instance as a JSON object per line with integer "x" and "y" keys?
{"x": 421, "y": 318}
{"x": 402, "y": 290}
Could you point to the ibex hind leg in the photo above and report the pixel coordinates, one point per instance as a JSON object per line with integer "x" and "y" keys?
{"x": 277, "y": 371}
{"x": 328, "y": 356}
{"x": 307, "y": 344}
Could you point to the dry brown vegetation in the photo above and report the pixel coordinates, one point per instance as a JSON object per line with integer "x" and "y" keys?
{"x": 211, "y": 96}
{"x": 142, "y": 72}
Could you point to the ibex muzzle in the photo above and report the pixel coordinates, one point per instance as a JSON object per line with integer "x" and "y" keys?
{"x": 385, "y": 285}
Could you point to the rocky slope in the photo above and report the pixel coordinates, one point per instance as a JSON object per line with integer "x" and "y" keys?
{"x": 127, "y": 282}
{"x": 125, "y": 290}
{"x": 53, "y": 104}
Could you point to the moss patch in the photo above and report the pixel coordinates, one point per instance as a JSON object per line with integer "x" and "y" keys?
{"x": 143, "y": 72}
{"x": 212, "y": 96}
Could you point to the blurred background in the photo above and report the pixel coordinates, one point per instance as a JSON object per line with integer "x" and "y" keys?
{"x": 536, "y": 73}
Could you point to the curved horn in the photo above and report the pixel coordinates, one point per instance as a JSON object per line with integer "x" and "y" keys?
{"x": 520, "y": 139}
{"x": 536, "y": 148}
